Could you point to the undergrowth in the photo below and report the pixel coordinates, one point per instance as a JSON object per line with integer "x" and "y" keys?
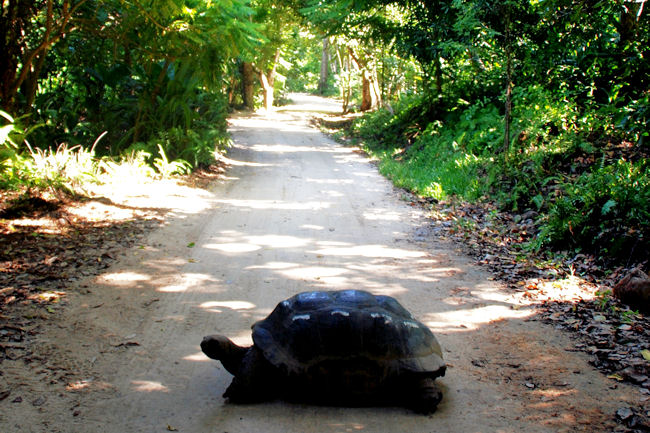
{"x": 70, "y": 168}
{"x": 583, "y": 172}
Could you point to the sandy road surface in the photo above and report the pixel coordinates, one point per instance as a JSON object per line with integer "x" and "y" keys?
{"x": 298, "y": 212}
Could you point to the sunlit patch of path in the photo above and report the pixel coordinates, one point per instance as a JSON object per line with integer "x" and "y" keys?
{"x": 298, "y": 212}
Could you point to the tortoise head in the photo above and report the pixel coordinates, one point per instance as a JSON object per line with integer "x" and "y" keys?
{"x": 222, "y": 349}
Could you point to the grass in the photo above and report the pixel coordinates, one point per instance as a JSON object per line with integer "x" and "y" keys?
{"x": 437, "y": 176}
{"x": 587, "y": 181}
{"x": 72, "y": 168}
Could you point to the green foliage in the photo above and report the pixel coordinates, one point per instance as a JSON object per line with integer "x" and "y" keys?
{"x": 189, "y": 147}
{"x": 560, "y": 164}
{"x": 168, "y": 168}
{"x": 152, "y": 73}
{"x": 10, "y": 137}
{"x": 438, "y": 173}
{"x": 66, "y": 168}
{"x": 446, "y": 159}
{"x": 156, "y": 81}
{"x": 134, "y": 165}
{"x": 608, "y": 207}
{"x": 303, "y": 55}
{"x": 603, "y": 298}
{"x": 396, "y": 127}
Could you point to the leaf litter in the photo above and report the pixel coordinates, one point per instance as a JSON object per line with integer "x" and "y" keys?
{"x": 48, "y": 244}
{"x": 570, "y": 291}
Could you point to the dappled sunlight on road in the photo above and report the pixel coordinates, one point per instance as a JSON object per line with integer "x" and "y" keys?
{"x": 149, "y": 386}
{"x": 329, "y": 181}
{"x": 372, "y": 251}
{"x": 347, "y": 427}
{"x": 275, "y": 204}
{"x": 471, "y": 319}
{"x": 273, "y": 265}
{"x": 235, "y": 162}
{"x": 197, "y": 357}
{"x": 381, "y": 215}
{"x": 307, "y": 214}
{"x": 281, "y": 148}
{"x": 213, "y": 306}
{"x": 313, "y": 273}
{"x": 233, "y": 247}
{"x": 187, "y": 280}
{"x": 182, "y": 200}
{"x": 278, "y": 241}
{"x": 126, "y": 278}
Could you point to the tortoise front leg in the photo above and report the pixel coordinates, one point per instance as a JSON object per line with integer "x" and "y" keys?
{"x": 255, "y": 381}
{"x": 424, "y": 396}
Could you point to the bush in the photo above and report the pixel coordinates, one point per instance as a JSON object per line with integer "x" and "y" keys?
{"x": 443, "y": 158}
{"x": 607, "y": 209}
{"x": 578, "y": 166}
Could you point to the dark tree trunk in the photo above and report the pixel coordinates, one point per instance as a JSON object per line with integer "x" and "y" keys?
{"x": 16, "y": 20}
{"x": 248, "y": 89}
{"x": 267, "y": 80}
{"x": 370, "y": 96}
{"x": 509, "y": 84}
{"x": 324, "y": 67}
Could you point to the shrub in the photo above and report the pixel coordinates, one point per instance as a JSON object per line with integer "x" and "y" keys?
{"x": 606, "y": 209}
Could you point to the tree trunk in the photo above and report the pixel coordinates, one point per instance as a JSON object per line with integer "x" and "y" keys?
{"x": 30, "y": 84}
{"x": 628, "y": 24}
{"x": 509, "y": 84}
{"x": 248, "y": 80}
{"x": 366, "y": 99}
{"x": 375, "y": 89}
{"x": 267, "y": 88}
{"x": 344, "y": 82}
{"x": 324, "y": 67}
{"x": 14, "y": 26}
{"x": 268, "y": 80}
{"x": 370, "y": 94}
{"x": 438, "y": 72}
{"x": 231, "y": 88}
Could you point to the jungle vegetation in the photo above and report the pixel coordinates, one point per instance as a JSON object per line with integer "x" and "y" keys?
{"x": 539, "y": 105}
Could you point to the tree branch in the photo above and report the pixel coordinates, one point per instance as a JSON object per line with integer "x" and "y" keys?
{"x": 47, "y": 41}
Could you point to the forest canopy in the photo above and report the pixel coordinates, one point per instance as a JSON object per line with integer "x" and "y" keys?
{"x": 539, "y": 105}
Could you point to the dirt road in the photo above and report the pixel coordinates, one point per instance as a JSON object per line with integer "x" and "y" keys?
{"x": 298, "y": 212}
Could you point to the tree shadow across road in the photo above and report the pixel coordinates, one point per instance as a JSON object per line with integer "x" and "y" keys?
{"x": 297, "y": 213}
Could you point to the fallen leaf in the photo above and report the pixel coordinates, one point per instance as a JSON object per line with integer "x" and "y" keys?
{"x": 170, "y": 428}
{"x": 40, "y": 401}
{"x": 624, "y": 413}
{"x": 127, "y": 344}
{"x": 191, "y": 245}
{"x": 148, "y": 303}
{"x": 646, "y": 354}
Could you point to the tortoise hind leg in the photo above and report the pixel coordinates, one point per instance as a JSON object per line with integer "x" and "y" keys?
{"x": 424, "y": 396}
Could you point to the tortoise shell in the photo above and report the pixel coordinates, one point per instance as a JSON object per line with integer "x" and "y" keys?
{"x": 318, "y": 327}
